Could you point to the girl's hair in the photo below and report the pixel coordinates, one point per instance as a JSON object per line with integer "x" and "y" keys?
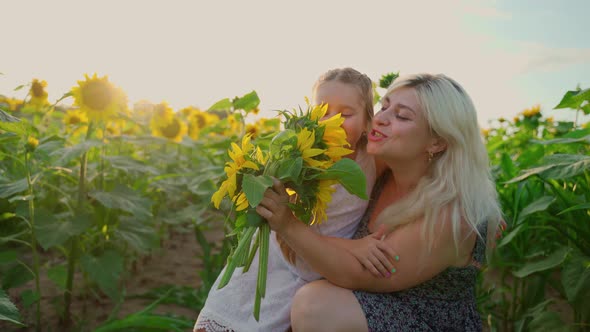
{"x": 458, "y": 187}
{"x": 364, "y": 86}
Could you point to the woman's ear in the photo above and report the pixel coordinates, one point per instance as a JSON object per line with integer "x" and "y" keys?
{"x": 438, "y": 145}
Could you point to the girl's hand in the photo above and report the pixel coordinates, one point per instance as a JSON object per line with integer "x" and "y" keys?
{"x": 274, "y": 207}
{"x": 374, "y": 254}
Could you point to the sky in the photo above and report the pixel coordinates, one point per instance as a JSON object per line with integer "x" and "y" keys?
{"x": 508, "y": 55}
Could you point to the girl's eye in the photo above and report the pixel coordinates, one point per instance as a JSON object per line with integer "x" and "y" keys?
{"x": 401, "y": 117}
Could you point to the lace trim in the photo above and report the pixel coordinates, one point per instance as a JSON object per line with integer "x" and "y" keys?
{"x": 210, "y": 325}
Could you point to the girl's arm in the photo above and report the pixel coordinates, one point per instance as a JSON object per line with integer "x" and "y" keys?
{"x": 330, "y": 258}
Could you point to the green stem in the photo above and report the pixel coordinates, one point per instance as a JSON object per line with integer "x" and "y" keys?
{"x": 73, "y": 254}
{"x": 34, "y": 244}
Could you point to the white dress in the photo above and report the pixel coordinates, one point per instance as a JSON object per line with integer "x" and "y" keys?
{"x": 230, "y": 308}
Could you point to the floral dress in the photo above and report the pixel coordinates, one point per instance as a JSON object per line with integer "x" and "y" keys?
{"x": 446, "y": 302}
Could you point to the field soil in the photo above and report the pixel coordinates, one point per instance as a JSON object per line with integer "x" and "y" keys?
{"x": 177, "y": 263}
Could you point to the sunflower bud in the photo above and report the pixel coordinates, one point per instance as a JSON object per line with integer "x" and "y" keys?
{"x": 31, "y": 144}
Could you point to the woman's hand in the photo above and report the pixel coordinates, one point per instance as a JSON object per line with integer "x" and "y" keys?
{"x": 274, "y": 207}
{"x": 374, "y": 254}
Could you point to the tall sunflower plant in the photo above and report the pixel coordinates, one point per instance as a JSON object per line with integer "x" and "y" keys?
{"x": 307, "y": 156}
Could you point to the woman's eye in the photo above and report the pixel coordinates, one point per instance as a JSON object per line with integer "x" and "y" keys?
{"x": 401, "y": 117}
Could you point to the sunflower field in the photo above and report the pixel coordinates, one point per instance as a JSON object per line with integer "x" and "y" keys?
{"x": 95, "y": 189}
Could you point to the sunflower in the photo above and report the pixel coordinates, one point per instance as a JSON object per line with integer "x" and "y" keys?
{"x": 31, "y": 144}
{"x": 305, "y": 141}
{"x": 98, "y": 98}
{"x": 240, "y": 160}
{"x": 323, "y": 197}
{"x": 241, "y": 202}
{"x": 12, "y": 104}
{"x": 234, "y": 125}
{"x": 74, "y": 117}
{"x": 531, "y": 112}
{"x": 38, "y": 93}
{"x": 335, "y": 138}
{"x": 173, "y": 129}
{"x": 253, "y": 130}
{"x": 318, "y": 112}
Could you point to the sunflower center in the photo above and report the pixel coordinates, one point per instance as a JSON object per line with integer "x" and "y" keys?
{"x": 171, "y": 130}
{"x": 74, "y": 120}
{"x": 37, "y": 89}
{"x": 97, "y": 95}
{"x": 200, "y": 119}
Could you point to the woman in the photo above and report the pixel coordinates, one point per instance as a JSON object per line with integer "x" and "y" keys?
{"x": 439, "y": 205}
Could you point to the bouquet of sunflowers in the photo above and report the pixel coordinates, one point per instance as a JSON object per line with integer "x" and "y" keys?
{"x": 307, "y": 156}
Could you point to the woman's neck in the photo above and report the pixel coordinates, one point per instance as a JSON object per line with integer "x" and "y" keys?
{"x": 405, "y": 176}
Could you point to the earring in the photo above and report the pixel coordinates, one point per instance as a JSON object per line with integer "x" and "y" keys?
{"x": 430, "y": 156}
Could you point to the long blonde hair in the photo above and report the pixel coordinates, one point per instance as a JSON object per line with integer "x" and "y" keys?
{"x": 458, "y": 186}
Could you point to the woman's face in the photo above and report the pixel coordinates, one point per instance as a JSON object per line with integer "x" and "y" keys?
{"x": 400, "y": 131}
{"x": 344, "y": 99}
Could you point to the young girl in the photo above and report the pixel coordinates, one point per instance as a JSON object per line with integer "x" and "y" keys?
{"x": 350, "y": 93}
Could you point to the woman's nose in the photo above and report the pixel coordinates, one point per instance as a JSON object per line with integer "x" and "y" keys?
{"x": 380, "y": 119}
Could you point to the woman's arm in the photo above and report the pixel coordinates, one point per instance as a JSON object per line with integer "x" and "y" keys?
{"x": 333, "y": 261}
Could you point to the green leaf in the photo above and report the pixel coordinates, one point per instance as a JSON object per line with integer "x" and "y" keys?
{"x": 104, "y": 270}
{"x": 284, "y": 141}
{"x": 126, "y": 199}
{"x": 67, "y": 154}
{"x": 512, "y": 233}
{"x": 575, "y": 278}
{"x": 58, "y": 274}
{"x": 19, "y": 87}
{"x": 584, "y": 206}
{"x": 350, "y": 175}
{"x": 552, "y": 261}
{"x": 29, "y": 297}
{"x": 130, "y": 165}
{"x": 6, "y": 117}
{"x": 9, "y": 189}
{"x": 248, "y": 102}
{"x": 14, "y": 127}
{"x": 573, "y": 99}
{"x": 254, "y": 187}
{"x": 559, "y": 166}
{"x": 8, "y": 310}
{"x": 386, "y": 79}
{"x": 540, "y": 204}
{"x": 7, "y": 256}
{"x": 223, "y": 104}
{"x": 585, "y": 139}
{"x": 137, "y": 234}
{"x": 253, "y": 219}
{"x": 289, "y": 170}
{"x": 586, "y": 109}
{"x": 52, "y": 232}
{"x": 508, "y": 165}
{"x": 16, "y": 276}
{"x": 547, "y": 321}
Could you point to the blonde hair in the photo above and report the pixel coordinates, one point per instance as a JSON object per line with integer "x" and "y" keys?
{"x": 458, "y": 187}
{"x": 364, "y": 86}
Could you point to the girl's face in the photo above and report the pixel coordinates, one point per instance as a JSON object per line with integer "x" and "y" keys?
{"x": 400, "y": 131}
{"x": 344, "y": 99}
